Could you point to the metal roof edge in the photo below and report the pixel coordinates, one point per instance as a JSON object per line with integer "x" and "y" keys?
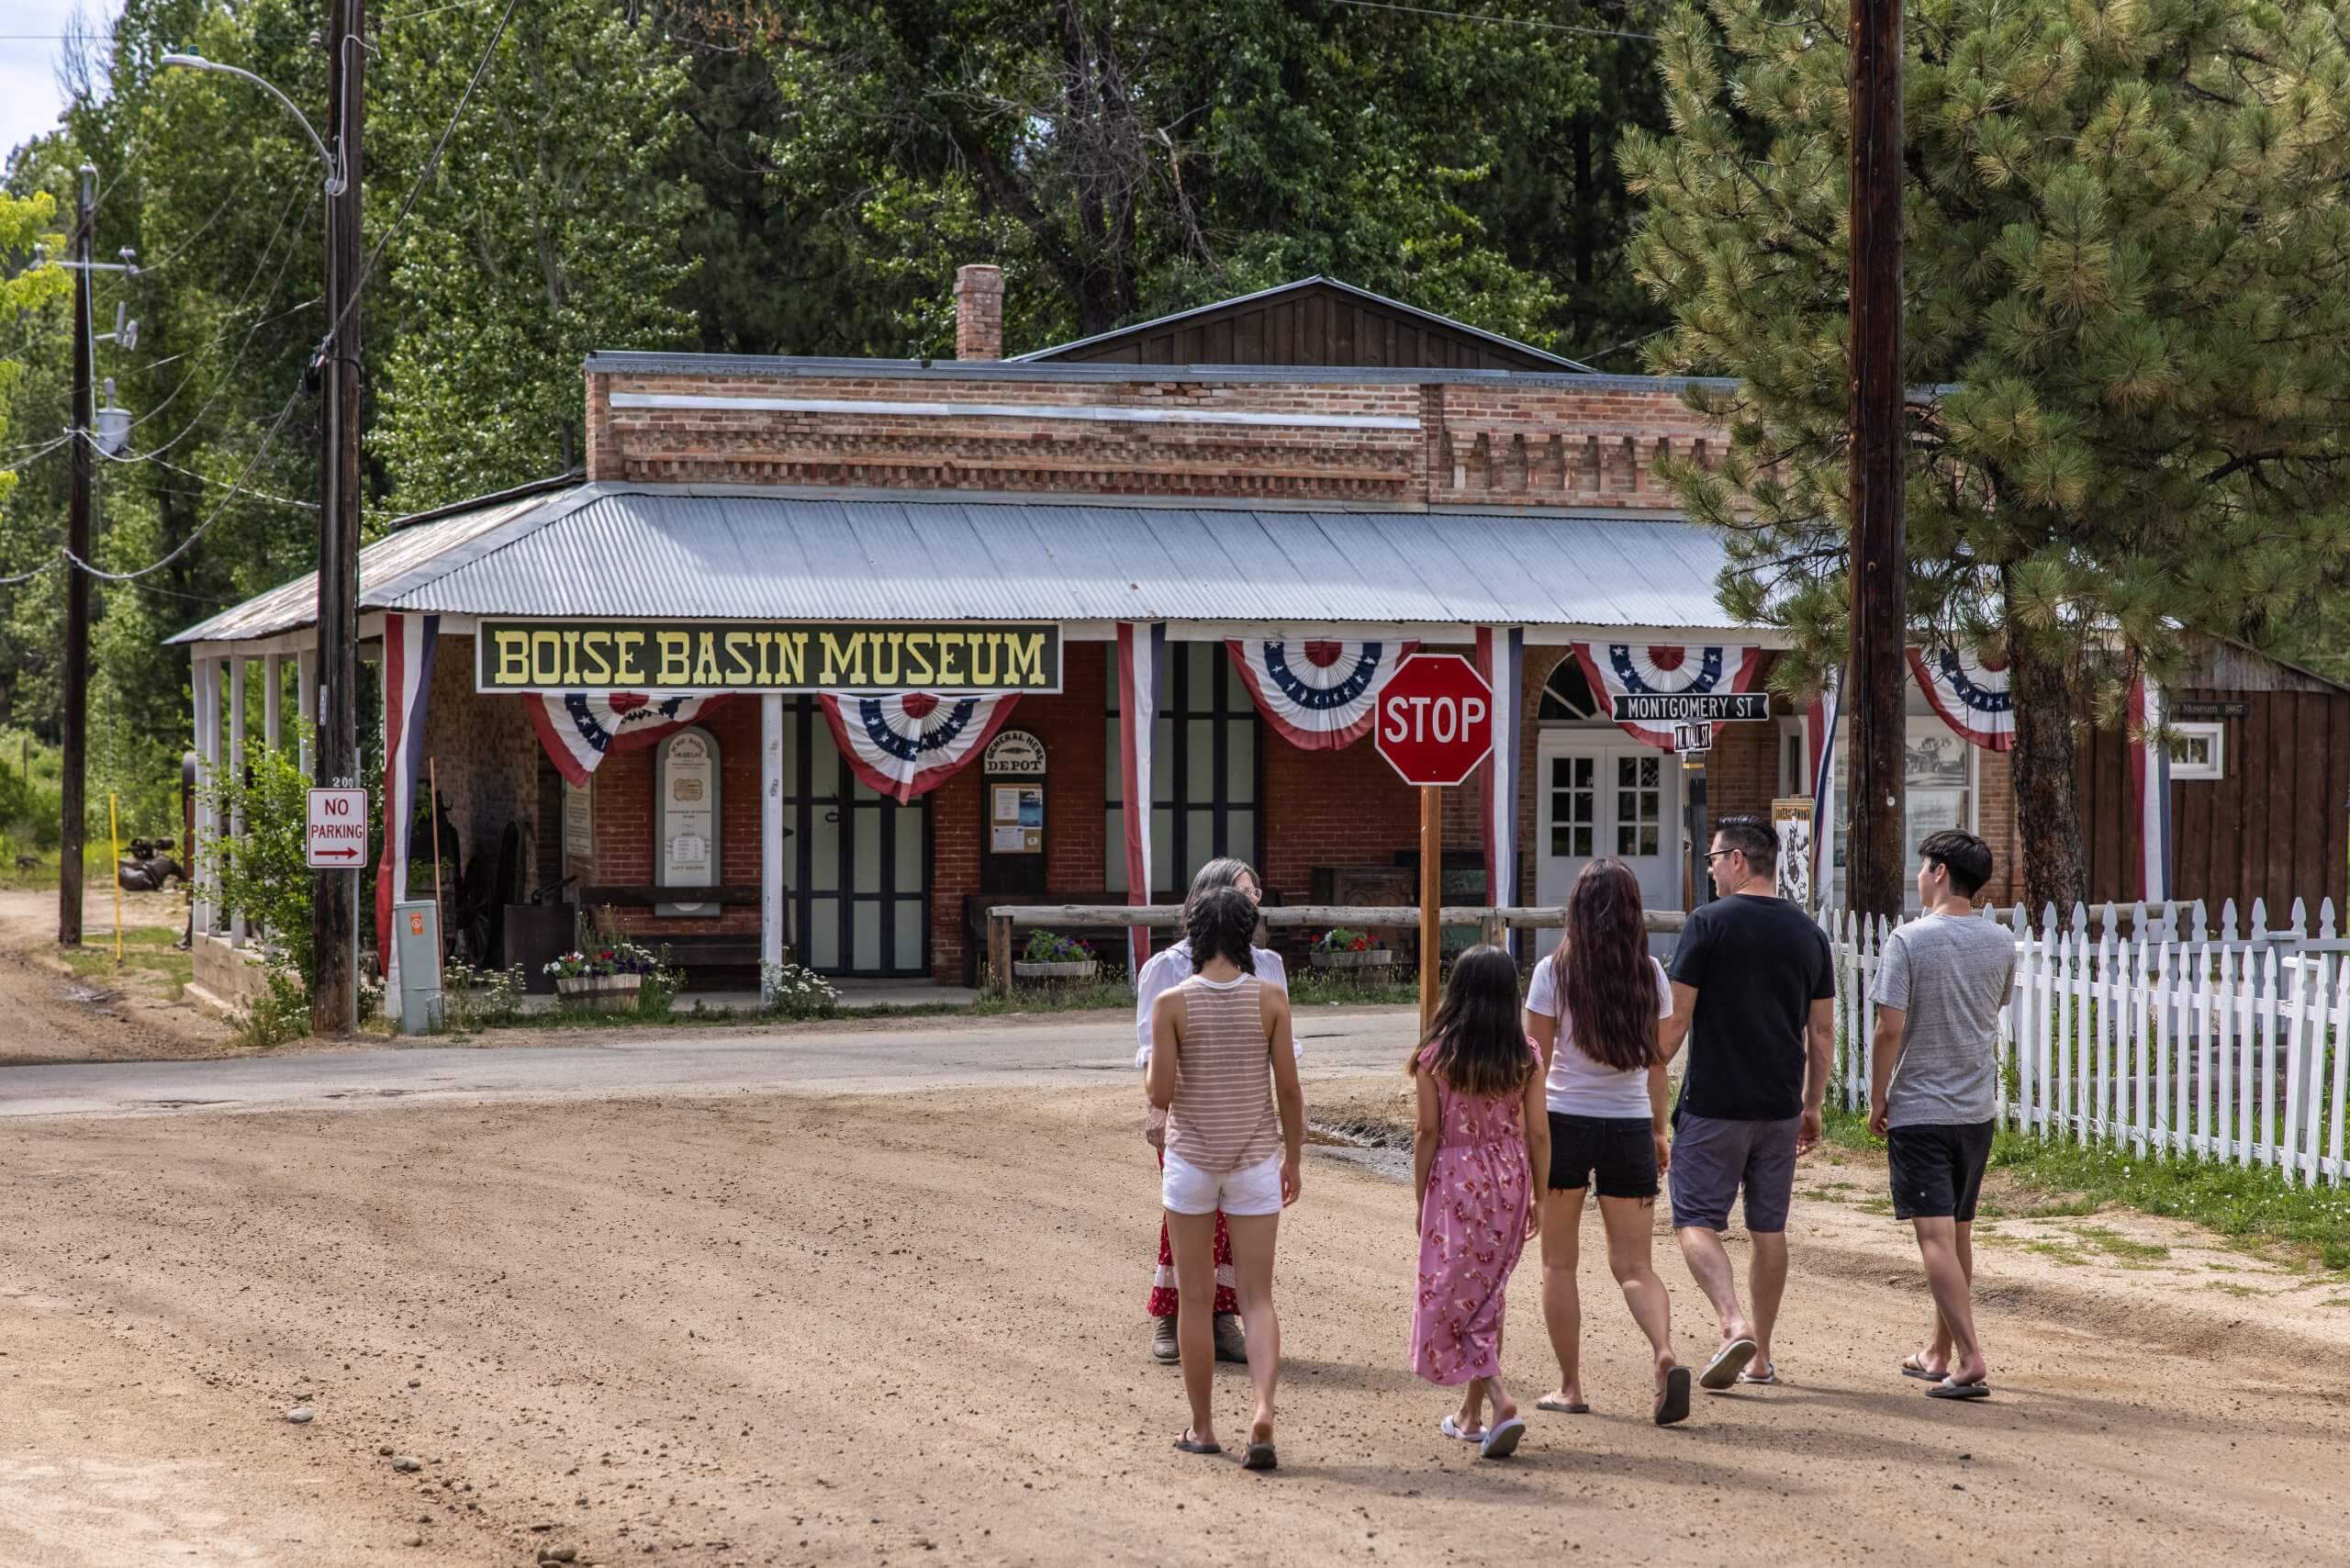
{"x": 786, "y": 367}
{"x": 495, "y": 497}
{"x": 857, "y": 497}
{"x": 1041, "y": 355}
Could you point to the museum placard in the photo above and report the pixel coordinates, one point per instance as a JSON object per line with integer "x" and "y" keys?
{"x": 619, "y": 653}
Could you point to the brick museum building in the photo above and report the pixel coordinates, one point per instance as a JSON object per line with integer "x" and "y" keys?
{"x": 822, "y": 657}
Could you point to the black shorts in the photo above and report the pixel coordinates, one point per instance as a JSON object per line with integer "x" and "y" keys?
{"x": 1937, "y": 1171}
{"x": 1620, "y": 1148}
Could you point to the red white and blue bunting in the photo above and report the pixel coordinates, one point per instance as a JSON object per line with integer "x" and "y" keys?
{"x": 1969, "y": 692}
{"x": 910, "y": 743}
{"x": 1624, "y": 670}
{"x": 579, "y": 729}
{"x": 1319, "y": 693}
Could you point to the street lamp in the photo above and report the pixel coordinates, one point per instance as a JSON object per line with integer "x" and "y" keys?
{"x": 197, "y": 62}
{"x": 334, "y": 904}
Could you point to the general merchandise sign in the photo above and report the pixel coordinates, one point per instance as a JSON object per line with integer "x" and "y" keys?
{"x": 654, "y": 657}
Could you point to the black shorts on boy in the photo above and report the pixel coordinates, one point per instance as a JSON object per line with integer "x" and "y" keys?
{"x": 1936, "y": 1168}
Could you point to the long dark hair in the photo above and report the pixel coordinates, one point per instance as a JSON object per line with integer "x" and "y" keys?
{"x": 1605, "y": 975}
{"x": 1481, "y": 1044}
{"x": 1219, "y": 923}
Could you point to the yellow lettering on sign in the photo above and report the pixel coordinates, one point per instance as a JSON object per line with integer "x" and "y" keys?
{"x": 844, "y": 660}
{"x": 628, "y": 666}
{"x": 595, "y": 648}
{"x": 949, "y": 644}
{"x": 513, "y": 659}
{"x": 705, "y": 659}
{"x": 918, "y": 669}
{"x": 738, "y": 659}
{"x": 1024, "y": 660}
{"x": 885, "y": 657}
{"x": 985, "y": 644}
{"x": 792, "y": 658}
{"x": 570, "y": 658}
{"x": 676, "y": 658}
{"x": 546, "y": 658}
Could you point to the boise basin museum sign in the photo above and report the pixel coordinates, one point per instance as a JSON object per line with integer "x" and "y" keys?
{"x": 632, "y": 655}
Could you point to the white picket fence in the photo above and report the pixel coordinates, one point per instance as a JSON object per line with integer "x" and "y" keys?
{"x": 2152, "y": 1029}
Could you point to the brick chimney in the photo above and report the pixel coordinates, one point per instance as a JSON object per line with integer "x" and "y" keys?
{"x": 978, "y": 312}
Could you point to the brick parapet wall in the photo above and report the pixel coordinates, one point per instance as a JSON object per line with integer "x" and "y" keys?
{"x": 1476, "y": 443}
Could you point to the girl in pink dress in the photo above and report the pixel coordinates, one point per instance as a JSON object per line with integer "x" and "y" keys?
{"x": 1480, "y": 1136}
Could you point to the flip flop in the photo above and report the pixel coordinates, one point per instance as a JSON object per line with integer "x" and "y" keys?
{"x": 1723, "y": 1369}
{"x": 1453, "y": 1429}
{"x": 1262, "y": 1457}
{"x": 1561, "y": 1408}
{"x": 1910, "y": 1368}
{"x": 1501, "y": 1441}
{"x": 1770, "y": 1378}
{"x": 1949, "y": 1390}
{"x": 1188, "y": 1445}
{"x": 1672, "y": 1404}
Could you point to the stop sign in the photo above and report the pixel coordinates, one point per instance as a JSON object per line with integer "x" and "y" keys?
{"x": 1435, "y": 718}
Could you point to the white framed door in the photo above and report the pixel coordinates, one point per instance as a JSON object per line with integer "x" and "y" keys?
{"x": 1597, "y": 794}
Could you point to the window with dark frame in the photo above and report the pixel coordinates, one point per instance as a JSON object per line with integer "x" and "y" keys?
{"x": 1206, "y": 772}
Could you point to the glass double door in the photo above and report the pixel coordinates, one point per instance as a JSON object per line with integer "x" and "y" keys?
{"x": 1595, "y": 796}
{"x": 855, "y": 863}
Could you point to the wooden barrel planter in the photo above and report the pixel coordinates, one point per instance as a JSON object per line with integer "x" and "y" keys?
{"x": 599, "y": 993}
{"x": 1376, "y": 958}
{"x": 1056, "y": 974}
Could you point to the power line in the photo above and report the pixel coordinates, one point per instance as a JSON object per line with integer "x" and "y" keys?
{"x": 186, "y": 544}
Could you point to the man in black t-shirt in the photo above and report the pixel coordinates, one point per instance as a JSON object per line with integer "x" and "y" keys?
{"x": 1753, "y": 982}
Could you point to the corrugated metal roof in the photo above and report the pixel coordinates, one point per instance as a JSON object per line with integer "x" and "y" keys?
{"x": 673, "y": 551}
{"x": 295, "y": 604}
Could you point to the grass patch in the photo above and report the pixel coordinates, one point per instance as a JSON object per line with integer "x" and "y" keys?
{"x": 1335, "y": 988}
{"x": 2069, "y": 1256}
{"x": 2247, "y": 1205}
{"x": 2107, "y": 1240}
{"x": 2229, "y": 1287}
{"x": 151, "y": 959}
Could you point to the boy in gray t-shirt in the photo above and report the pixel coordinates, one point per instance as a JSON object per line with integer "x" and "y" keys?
{"x": 1934, "y": 1086}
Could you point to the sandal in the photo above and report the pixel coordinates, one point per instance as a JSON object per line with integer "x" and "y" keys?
{"x": 1561, "y": 1406}
{"x": 1770, "y": 1378}
{"x": 1189, "y": 1445}
{"x": 1451, "y": 1427}
{"x": 1910, "y": 1368}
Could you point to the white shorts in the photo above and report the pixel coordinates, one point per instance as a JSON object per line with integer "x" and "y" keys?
{"x": 1185, "y": 1188}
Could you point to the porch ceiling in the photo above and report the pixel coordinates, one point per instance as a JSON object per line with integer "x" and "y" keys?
{"x": 676, "y": 551}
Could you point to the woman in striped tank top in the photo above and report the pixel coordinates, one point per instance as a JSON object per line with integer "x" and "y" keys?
{"x": 1224, "y": 1071}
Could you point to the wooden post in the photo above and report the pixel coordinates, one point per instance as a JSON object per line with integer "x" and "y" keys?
{"x": 432, "y": 826}
{"x": 1431, "y": 897}
{"x": 770, "y": 839}
{"x": 1000, "y": 954}
{"x": 1877, "y": 413}
{"x": 1492, "y": 928}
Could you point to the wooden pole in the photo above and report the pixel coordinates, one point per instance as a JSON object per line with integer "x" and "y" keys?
{"x": 432, "y": 826}
{"x": 1000, "y": 954}
{"x": 1876, "y": 410}
{"x": 1431, "y": 897}
{"x": 114, "y": 838}
{"x": 73, "y": 717}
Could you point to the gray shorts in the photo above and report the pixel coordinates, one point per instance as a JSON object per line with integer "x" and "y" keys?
{"x": 1712, "y": 1159}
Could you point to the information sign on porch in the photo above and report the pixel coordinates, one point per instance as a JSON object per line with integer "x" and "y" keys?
{"x": 1013, "y": 754}
{"x": 686, "y": 851}
{"x": 658, "y": 657}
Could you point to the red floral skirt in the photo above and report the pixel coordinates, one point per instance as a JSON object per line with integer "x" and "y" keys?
{"x": 1164, "y": 1297}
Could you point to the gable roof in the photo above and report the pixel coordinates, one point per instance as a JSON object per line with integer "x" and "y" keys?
{"x": 1313, "y": 322}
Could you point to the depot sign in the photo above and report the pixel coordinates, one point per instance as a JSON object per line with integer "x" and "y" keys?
{"x": 1435, "y": 720}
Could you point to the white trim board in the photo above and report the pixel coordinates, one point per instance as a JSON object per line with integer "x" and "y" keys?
{"x": 1082, "y": 413}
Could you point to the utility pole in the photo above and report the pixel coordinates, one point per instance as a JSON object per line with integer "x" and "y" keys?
{"x": 1880, "y": 559}
{"x": 75, "y": 724}
{"x": 334, "y": 905}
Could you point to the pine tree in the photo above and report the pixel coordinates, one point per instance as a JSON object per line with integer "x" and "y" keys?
{"x": 2127, "y": 310}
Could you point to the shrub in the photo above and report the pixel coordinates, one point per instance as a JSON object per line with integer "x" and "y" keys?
{"x": 791, "y": 991}
{"x": 278, "y": 1017}
{"x": 1052, "y": 947}
{"x": 481, "y": 998}
{"x": 1342, "y": 939}
{"x": 261, "y": 876}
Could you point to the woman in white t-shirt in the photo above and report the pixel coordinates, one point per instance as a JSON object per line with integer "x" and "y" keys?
{"x": 1593, "y": 1008}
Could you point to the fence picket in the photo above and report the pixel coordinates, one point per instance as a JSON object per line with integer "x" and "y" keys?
{"x": 2044, "y": 1039}
{"x": 2142, "y": 976}
{"x": 2309, "y": 1057}
{"x": 2341, "y": 1043}
{"x": 2066, "y": 1126}
{"x": 2020, "y": 1026}
{"x": 2264, "y": 1149}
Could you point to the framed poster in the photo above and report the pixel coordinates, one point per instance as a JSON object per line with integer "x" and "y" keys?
{"x": 1792, "y": 817}
{"x": 580, "y": 820}
{"x": 685, "y": 818}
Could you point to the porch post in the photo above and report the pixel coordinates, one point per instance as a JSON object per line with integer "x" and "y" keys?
{"x": 306, "y": 706}
{"x": 770, "y": 839}
{"x": 237, "y": 775}
{"x": 207, "y": 750}
{"x": 273, "y": 676}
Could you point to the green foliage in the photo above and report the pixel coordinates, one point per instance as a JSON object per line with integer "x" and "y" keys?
{"x": 793, "y": 991}
{"x": 481, "y": 998}
{"x": 279, "y": 1015}
{"x": 261, "y": 875}
{"x": 1052, "y": 947}
{"x": 2128, "y": 294}
{"x": 23, "y": 221}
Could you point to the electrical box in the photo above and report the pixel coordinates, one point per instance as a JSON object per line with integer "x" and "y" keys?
{"x": 416, "y": 932}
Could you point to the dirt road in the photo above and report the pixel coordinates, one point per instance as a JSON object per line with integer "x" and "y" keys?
{"x": 50, "y": 1013}
{"x": 798, "y": 1328}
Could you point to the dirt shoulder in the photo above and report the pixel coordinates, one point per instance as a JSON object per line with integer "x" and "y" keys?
{"x": 53, "y": 1008}
{"x": 799, "y": 1328}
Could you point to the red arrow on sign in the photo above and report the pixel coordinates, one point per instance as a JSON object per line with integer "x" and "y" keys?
{"x": 346, "y": 852}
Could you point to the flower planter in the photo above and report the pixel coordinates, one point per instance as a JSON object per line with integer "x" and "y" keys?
{"x": 1022, "y": 968}
{"x": 599, "y": 993}
{"x": 1376, "y": 958}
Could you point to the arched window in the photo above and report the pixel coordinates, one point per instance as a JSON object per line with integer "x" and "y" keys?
{"x": 1567, "y": 697}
